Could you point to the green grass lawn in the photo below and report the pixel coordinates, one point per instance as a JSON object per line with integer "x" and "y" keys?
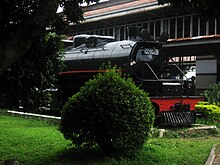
{"x": 32, "y": 141}
{"x": 28, "y": 140}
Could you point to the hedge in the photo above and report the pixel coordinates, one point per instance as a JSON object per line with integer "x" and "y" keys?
{"x": 208, "y": 110}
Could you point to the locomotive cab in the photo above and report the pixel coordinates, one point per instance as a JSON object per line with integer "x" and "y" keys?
{"x": 151, "y": 69}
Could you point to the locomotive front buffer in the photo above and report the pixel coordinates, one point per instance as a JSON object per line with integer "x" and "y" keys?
{"x": 175, "y": 111}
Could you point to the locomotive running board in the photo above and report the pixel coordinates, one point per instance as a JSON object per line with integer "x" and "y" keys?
{"x": 183, "y": 118}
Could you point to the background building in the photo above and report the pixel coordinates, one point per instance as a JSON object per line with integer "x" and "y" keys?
{"x": 193, "y": 44}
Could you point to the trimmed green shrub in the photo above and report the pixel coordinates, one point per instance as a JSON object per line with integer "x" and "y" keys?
{"x": 111, "y": 112}
{"x": 208, "y": 110}
{"x": 202, "y": 103}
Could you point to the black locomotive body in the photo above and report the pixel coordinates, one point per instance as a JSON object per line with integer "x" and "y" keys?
{"x": 143, "y": 60}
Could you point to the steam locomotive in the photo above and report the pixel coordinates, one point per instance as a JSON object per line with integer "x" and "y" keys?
{"x": 142, "y": 58}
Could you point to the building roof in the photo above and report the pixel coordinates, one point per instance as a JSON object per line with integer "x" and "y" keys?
{"x": 120, "y": 9}
{"x": 195, "y": 46}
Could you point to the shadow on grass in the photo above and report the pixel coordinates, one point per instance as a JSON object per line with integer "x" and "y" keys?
{"x": 75, "y": 156}
{"x": 95, "y": 156}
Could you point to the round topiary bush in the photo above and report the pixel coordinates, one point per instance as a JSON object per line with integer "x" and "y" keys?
{"x": 109, "y": 111}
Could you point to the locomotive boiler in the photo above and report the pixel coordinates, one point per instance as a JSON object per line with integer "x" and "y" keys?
{"x": 142, "y": 58}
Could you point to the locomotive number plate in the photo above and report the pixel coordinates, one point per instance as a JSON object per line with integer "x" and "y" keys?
{"x": 151, "y": 51}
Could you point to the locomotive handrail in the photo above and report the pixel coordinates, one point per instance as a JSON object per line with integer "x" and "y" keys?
{"x": 165, "y": 80}
{"x": 179, "y": 68}
{"x": 81, "y": 48}
{"x": 102, "y": 48}
{"x": 101, "y": 45}
{"x": 152, "y": 71}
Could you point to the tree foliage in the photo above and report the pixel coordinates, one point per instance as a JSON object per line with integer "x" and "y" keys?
{"x": 208, "y": 8}
{"x": 29, "y": 57}
{"x": 24, "y": 83}
{"x": 22, "y": 21}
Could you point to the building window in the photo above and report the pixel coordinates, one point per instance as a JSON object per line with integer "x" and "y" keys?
{"x": 211, "y": 26}
{"x": 145, "y": 25}
{"x": 180, "y": 27}
{"x": 187, "y": 27}
{"x": 218, "y": 26}
{"x": 106, "y": 32}
{"x": 195, "y": 25}
{"x": 117, "y": 33}
{"x": 157, "y": 29}
{"x": 152, "y": 29}
{"x": 100, "y": 32}
{"x": 122, "y": 33}
{"x": 165, "y": 26}
{"x": 202, "y": 27}
{"x": 111, "y": 32}
{"x": 172, "y": 28}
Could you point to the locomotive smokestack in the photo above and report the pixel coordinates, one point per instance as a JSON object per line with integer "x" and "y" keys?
{"x": 134, "y": 33}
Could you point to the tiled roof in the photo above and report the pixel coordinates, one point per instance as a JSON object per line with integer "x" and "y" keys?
{"x": 118, "y": 7}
